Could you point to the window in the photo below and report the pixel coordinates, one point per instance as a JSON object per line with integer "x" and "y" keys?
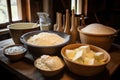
{"x": 3, "y": 11}
{"x": 10, "y": 10}
{"x": 16, "y": 10}
{"x": 80, "y": 6}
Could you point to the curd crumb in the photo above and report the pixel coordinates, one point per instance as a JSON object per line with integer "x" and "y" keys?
{"x": 46, "y": 62}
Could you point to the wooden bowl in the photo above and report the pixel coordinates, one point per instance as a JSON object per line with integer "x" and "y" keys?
{"x": 14, "y": 56}
{"x": 49, "y": 73}
{"x": 82, "y": 69}
{"x": 18, "y": 29}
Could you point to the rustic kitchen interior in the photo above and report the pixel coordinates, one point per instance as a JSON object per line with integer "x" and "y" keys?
{"x": 86, "y": 13}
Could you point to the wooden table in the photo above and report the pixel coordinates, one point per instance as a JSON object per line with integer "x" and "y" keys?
{"x": 25, "y": 70}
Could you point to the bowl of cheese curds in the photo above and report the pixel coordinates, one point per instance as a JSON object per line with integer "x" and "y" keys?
{"x": 49, "y": 65}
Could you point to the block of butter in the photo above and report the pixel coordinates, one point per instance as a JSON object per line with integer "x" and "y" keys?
{"x": 99, "y": 55}
{"x": 70, "y": 53}
{"x": 89, "y": 61}
{"x": 78, "y": 55}
{"x": 84, "y": 55}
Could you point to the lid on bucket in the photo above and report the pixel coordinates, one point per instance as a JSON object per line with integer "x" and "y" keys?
{"x": 98, "y": 29}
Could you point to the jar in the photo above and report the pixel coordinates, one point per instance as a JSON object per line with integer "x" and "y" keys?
{"x": 44, "y": 20}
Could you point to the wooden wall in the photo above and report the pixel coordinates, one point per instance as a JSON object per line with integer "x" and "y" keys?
{"x": 106, "y": 12}
{"x": 49, "y": 6}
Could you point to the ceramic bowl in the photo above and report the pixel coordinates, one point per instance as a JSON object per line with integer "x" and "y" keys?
{"x": 14, "y": 52}
{"x": 18, "y": 29}
{"x": 37, "y": 51}
{"x": 53, "y": 70}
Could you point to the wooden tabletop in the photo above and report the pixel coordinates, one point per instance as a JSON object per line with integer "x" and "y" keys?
{"x": 25, "y": 70}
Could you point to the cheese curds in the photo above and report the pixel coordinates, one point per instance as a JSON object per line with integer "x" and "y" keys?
{"x": 49, "y": 63}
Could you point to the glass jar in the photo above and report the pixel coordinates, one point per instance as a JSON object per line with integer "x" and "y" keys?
{"x": 44, "y": 20}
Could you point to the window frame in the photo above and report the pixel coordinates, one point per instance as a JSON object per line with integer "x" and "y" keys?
{"x": 23, "y": 13}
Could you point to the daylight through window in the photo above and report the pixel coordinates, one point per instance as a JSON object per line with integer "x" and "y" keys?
{"x": 10, "y": 10}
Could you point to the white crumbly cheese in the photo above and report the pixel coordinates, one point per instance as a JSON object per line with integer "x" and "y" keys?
{"x": 49, "y": 63}
{"x": 84, "y": 55}
{"x": 46, "y": 39}
{"x": 13, "y": 50}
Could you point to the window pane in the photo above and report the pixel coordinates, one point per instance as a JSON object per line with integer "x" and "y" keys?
{"x": 3, "y": 11}
{"x": 15, "y": 10}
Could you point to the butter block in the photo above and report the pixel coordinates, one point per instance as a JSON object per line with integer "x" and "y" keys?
{"x": 85, "y": 48}
{"x": 70, "y": 53}
{"x": 90, "y": 54}
{"x": 79, "y": 60}
{"x": 99, "y": 55}
{"x": 97, "y": 62}
{"x": 89, "y": 61}
{"x": 78, "y": 55}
